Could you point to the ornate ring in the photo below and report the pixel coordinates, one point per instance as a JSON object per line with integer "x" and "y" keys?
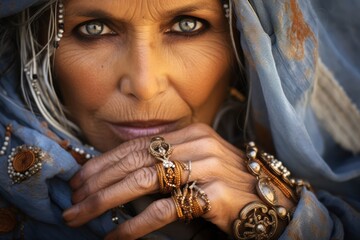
{"x": 160, "y": 149}
{"x": 169, "y": 175}
{"x": 188, "y": 202}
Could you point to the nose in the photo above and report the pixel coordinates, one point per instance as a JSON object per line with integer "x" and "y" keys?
{"x": 145, "y": 76}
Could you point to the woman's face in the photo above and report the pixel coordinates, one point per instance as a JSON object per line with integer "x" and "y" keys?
{"x": 127, "y": 69}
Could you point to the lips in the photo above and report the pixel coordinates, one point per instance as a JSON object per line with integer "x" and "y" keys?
{"x": 130, "y": 130}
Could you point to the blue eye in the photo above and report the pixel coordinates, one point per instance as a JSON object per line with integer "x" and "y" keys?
{"x": 95, "y": 28}
{"x": 187, "y": 25}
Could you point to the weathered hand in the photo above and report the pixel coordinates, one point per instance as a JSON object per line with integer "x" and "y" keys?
{"x": 127, "y": 173}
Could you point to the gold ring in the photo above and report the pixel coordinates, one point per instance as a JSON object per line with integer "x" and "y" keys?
{"x": 187, "y": 202}
{"x": 169, "y": 175}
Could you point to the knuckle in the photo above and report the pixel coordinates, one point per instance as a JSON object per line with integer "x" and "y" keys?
{"x": 143, "y": 179}
{"x": 128, "y": 147}
{"x": 211, "y": 143}
{"x": 138, "y": 143}
{"x": 98, "y": 183}
{"x": 86, "y": 189}
{"x": 96, "y": 202}
{"x": 214, "y": 165}
{"x": 127, "y": 230}
{"x": 133, "y": 161}
{"x": 138, "y": 158}
{"x": 122, "y": 166}
{"x": 162, "y": 210}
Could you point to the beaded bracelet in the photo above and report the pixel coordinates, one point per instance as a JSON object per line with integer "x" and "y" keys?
{"x": 267, "y": 219}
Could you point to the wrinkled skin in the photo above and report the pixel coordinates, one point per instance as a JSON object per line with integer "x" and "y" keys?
{"x": 142, "y": 68}
{"x": 127, "y": 172}
{"x": 128, "y": 70}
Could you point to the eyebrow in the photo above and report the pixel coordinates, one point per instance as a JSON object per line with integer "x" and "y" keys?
{"x": 93, "y": 13}
{"x": 99, "y": 13}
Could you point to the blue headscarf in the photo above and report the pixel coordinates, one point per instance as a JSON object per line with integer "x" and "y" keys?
{"x": 43, "y": 198}
{"x": 302, "y": 61}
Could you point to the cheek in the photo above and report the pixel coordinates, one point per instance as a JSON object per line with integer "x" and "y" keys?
{"x": 205, "y": 68}
{"x": 81, "y": 77}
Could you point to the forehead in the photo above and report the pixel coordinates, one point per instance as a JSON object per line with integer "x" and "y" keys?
{"x": 145, "y": 9}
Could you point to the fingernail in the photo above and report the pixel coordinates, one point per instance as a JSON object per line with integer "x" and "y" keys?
{"x": 71, "y": 213}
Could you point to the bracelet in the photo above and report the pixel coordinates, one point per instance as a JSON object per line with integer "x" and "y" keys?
{"x": 267, "y": 219}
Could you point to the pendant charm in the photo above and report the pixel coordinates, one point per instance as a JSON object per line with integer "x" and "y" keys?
{"x": 266, "y": 192}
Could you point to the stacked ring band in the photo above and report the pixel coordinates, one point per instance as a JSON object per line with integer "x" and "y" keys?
{"x": 169, "y": 172}
{"x": 190, "y": 201}
{"x": 169, "y": 175}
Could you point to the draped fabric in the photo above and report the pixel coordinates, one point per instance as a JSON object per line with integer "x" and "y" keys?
{"x": 302, "y": 61}
{"x": 290, "y": 47}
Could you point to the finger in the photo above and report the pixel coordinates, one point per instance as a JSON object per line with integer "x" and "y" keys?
{"x": 155, "y": 216}
{"x": 134, "y": 160}
{"x": 190, "y": 133}
{"x": 116, "y": 172}
{"x": 107, "y": 159}
{"x": 139, "y": 183}
{"x": 197, "y": 131}
{"x": 210, "y": 149}
{"x": 193, "y": 150}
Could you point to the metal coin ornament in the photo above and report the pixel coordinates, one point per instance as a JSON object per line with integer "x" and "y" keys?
{"x": 256, "y": 222}
{"x": 23, "y": 162}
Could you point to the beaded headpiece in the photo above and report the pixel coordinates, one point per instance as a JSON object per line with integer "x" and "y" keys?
{"x": 60, "y": 23}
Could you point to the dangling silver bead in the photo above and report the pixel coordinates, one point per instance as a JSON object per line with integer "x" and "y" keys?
{"x": 60, "y": 21}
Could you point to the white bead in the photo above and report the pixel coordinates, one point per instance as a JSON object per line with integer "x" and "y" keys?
{"x": 255, "y": 167}
{"x": 252, "y": 154}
